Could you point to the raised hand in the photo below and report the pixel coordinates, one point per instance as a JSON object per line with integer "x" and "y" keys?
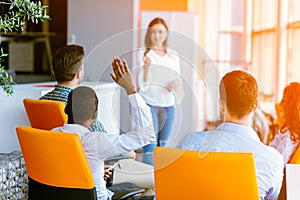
{"x": 122, "y": 75}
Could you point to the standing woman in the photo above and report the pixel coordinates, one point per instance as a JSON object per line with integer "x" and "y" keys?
{"x": 288, "y": 136}
{"x": 159, "y": 82}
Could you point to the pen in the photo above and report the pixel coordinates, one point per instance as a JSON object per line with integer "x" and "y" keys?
{"x": 111, "y": 167}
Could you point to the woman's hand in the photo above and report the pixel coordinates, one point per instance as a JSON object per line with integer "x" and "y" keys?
{"x": 172, "y": 85}
{"x": 146, "y": 60}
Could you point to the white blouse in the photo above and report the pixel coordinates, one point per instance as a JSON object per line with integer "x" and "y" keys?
{"x": 285, "y": 145}
{"x": 162, "y": 71}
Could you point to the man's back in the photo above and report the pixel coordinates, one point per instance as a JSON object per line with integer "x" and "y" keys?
{"x": 59, "y": 93}
{"x": 231, "y": 137}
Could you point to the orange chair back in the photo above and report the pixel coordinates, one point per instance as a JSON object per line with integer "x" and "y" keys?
{"x": 45, "y": 114}
{"x": 55, "y": 158}
{"x": 184, "y": 174}
{"x": 295, "y": 159}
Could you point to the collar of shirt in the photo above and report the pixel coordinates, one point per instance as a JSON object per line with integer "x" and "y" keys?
{"x": 63, "y": 88}
{"x": 238, "y": 129}
{"x": 74, "y": 128}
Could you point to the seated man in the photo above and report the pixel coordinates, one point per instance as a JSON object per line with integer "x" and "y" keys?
{"x": 68, "y": 69}
{"x": 238, "y": 100}
{"x": 82, "y": 109}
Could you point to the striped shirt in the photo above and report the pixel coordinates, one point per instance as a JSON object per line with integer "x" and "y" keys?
{"x": 60, "y": 93}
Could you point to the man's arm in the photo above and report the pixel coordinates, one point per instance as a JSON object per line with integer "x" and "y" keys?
{"x": 276, "y": 177}
{"x": 142, "y": 132}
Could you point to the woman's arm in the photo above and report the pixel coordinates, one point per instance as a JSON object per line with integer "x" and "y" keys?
{"x": 147, "y": 63}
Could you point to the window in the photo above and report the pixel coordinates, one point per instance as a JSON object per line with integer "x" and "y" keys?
{"x": 261, "y": 36}
{"x": 232, "y": 34}
{"x": 264, "y": 52}
{"x": 293, "y": 41}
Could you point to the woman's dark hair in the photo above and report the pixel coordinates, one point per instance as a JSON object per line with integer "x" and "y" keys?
{"x": 82, "y": 105}
{"x": 148, "y": 42}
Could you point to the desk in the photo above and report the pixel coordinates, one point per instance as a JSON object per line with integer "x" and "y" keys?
{"x": 13, "y": 114}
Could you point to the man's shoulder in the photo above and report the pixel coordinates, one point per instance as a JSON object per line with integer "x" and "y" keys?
{"x": 50, "y": 94}
{"x": 194, "y": 140}
{"x": 198, "y": 134}
{"x": 57, "y": 129}
{"x": 268, "y": 158}
{"x": 272, "y": 154}
{"x": 57, "y": 95}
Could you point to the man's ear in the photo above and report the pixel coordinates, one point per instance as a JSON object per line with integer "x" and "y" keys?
{"x": 256, "y": 105}
{"x": 222, "y": 106}
{"x": 78, "y": 74}
{"x": 96, "y": 115}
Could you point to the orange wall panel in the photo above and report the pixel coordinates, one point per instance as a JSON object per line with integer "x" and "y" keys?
{"x": 174, "y": 5}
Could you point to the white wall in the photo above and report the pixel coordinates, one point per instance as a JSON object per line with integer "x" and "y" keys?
{"x": 104, "y": 28}
{"x": 13, "y": 114}
{"x": 90, "y": 23}
{"x": 101, "y": 26}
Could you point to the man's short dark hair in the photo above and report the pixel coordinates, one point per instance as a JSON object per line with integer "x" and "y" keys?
{"x": 239, "y": 90}
{"x": 67, "y": 61}
{"x": 82, "y": 105}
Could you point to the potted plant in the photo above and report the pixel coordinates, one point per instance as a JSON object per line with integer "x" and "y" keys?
{"x": 18, "y": 13}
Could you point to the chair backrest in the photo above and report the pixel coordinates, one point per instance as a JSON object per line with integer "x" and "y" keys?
{"x": 45, "y": 114}
{"x": 295, "y": 159}
{"x": 55, "y": 160}
{"x": 185, "y": 174}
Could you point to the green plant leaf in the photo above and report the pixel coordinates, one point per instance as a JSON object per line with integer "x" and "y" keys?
{"x": 13, "y": 20}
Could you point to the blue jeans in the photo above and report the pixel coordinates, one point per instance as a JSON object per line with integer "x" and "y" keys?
{"x": 163, "y": 118}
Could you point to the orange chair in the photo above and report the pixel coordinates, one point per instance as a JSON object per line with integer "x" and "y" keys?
{"x": 184, "y": 174}
{"x": 56, "y": 165}
{"x": 45, "y": 114}
{"x": 295, "y": 159}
